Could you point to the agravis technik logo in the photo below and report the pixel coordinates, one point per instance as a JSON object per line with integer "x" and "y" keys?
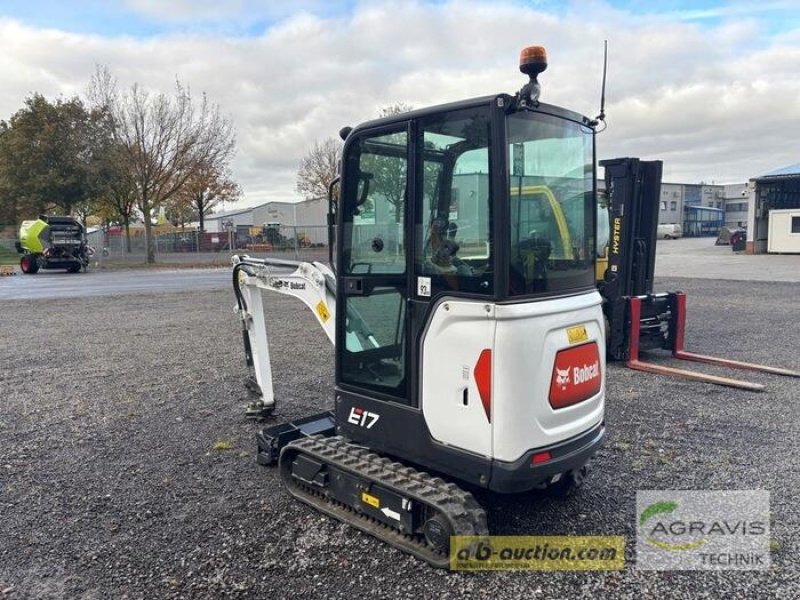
{"x": 702, "y": 530}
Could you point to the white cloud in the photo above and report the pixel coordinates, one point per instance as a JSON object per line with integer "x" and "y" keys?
{"x": 715, "y": 103}
{"x": 237, "y": 11}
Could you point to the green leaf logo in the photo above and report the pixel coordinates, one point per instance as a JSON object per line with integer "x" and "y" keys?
{"x": 656, "y": 509}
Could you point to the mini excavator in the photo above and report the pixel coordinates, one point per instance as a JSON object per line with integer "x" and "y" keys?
{"x": 463, "y": 307}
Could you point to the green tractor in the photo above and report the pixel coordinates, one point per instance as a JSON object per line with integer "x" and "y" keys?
{"x": 53, "y": 242}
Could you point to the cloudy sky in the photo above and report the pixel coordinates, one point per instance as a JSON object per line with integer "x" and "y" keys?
{"x": 711, "y": 88}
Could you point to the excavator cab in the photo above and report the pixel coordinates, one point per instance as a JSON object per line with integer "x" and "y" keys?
{"x": 431, "y": 209}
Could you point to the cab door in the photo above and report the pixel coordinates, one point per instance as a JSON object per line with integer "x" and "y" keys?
{"x": 452, "y": 293}
{"x": 373, "y": 264}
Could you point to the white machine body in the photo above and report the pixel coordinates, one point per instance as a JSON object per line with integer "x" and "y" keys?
{"x": 542, "y": 353}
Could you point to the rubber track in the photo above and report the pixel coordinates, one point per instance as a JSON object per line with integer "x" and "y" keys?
{"x": 464, "y": 514}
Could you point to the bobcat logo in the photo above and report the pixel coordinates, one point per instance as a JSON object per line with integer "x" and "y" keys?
{"x": 562, "y": 377}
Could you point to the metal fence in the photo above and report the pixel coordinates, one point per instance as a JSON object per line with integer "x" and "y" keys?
{"x": 301, "y": 242}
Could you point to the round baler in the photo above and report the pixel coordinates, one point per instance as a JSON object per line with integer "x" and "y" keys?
{"x": 53, "y": 242}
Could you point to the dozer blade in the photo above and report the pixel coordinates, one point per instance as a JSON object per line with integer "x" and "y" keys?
{"x": 408, "y": 509}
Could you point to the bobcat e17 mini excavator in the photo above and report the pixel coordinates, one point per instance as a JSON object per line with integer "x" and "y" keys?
{"x": 463, "y": 308}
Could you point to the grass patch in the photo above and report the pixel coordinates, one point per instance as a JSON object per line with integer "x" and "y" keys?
{"x": 8, "y": 257}
{"x": 222, "y": 445}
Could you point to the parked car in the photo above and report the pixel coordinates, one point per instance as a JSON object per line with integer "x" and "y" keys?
{"x": 669, "y": 231}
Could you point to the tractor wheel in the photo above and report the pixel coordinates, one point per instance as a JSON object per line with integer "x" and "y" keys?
{"x": 29, "y": 264}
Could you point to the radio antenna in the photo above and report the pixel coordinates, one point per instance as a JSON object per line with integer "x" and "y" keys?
{"x": 601, "y": 118}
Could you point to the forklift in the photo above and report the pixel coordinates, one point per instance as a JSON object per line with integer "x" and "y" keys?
{"x": 468, "y": 329}
{"x": 637, "y": 318}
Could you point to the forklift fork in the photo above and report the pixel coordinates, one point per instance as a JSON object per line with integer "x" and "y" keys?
{"x": 676, "y": 344}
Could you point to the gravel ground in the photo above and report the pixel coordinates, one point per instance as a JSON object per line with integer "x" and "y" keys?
{"x": 127, "y": 469}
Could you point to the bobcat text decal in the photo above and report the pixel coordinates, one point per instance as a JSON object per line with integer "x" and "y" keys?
{"x": 576, "y": 375}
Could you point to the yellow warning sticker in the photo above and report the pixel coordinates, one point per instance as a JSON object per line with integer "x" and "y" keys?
{"x": 577, "y": 334}
{"x": 323, "y": 312}
{"x": 370, "y": 499}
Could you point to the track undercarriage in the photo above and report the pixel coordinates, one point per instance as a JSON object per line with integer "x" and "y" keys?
{"x": 406, "y": 508}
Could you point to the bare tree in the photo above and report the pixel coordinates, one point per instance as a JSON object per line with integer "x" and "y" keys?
{"x": 207, "y": 187}
{"x": 395, "y": 109}
{"x": 319, "y": 167}
{"x": 164, "y": 138}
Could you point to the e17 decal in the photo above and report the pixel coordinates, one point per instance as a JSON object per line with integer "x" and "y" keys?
{"x": 362, "y": 418}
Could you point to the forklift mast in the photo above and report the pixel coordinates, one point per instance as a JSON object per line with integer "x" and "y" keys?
{"x": 632, "y": 190}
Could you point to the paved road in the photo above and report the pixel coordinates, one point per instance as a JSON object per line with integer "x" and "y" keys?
{"x": 696, "y": 258}
{"x": 699, "y": 258}
{"x": 58, "y": 284}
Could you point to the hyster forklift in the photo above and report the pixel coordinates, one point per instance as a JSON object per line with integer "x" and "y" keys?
{"x": 463, "y": 308}
{"x": 637, "y": 318}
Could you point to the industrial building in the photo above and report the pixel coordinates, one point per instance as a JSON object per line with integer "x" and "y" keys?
{"x": 307, "y": 218}
{"x": 736, "y": 203}
{"x": 285, "y": 214}
{"x": 768, "y": 206}
{"x": 698, "y": 208}
{"x": 774, "y": 212}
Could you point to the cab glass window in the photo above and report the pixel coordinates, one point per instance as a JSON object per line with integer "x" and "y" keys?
{"x": 375, "y": 205}
{"x": 453, "y": 225}
{"x": 552, "y": 212}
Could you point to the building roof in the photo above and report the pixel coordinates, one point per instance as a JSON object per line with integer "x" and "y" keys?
{"x": 690, "y": 207}
{"x": 790, "y": 171}
{"x": 243, "y": 210}
{"x": 229, "y": 213}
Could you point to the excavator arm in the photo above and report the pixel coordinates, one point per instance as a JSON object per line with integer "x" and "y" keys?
{"x": 313, "y": 283}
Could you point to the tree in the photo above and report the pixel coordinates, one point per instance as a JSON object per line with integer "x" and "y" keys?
{"x": 318, "y": 168}
{"x": 113, "y": 184}
{"x": 388, "y": 178}
{"x": 206, "y": 188}
{"x": 45, "y": 152}
{"x": 9, "y": 201}
{"x": 394, "y": 109}
{"x": 163, "y": 140}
